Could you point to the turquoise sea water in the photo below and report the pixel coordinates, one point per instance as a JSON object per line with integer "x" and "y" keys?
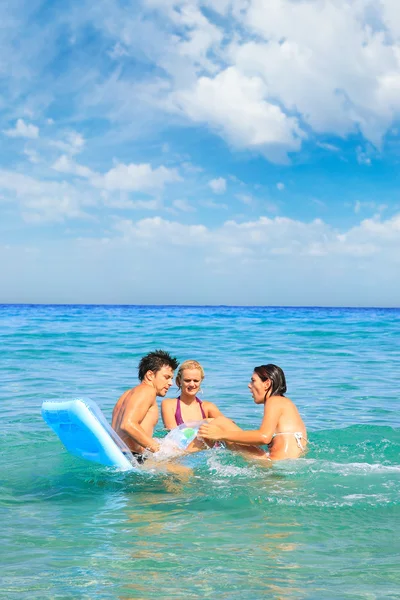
{"x": 325, "y": 526}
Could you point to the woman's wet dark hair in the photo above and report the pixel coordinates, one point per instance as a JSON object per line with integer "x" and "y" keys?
{"x": 276, "y": 377}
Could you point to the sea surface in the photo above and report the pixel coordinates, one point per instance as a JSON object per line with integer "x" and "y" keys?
{"x": 325, "y": 526}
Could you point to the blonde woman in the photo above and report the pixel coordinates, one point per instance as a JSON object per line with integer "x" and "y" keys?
{"x": 187, "y": 407}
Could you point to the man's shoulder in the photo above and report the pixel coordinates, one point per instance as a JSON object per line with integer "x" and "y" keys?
{"x": 141, "y": 391}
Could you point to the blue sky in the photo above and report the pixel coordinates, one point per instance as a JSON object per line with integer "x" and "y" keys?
{"x": 200, "y": 152}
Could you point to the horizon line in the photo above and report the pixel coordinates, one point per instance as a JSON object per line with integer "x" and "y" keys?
{"x": 66, "y": 304}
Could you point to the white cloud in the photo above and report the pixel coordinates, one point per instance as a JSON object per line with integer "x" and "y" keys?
{"x": 270, "y": 68}
{"x": 136, "y": 177}
{"x": 335, "y": 87}
{"x": 218, "y": 185}
{"x": 363, "y": 157}
{"x": 24, "y": 130}
{"x": 52, "y": 209}
{"x": 32, "y": 155}
{"x": 23, "y": 184}
{"x": 302, "y": 262}
{"x": 122, "y": 177}
{"x": 266, "y": 237}
{"x": 118, "y": 51}
{"x": 235, "y": 105}
{"x": 214, "y": 205}
{"x": 199, "y": 38}
{"x": 161, "y": 230}
{"x": 245, "y": 198}
{"x": 55, "y": 200}
{"x": 280, "y": 186}
{"x": 44, "y": 201}
{"x": 256, "y": 77}
{"x": 374, "y": 207}
{"x": 329, "y": 147}
{"x": 73, "y": 143}
{"x": 65, "y": 164}
{"x": 183, "y": 205}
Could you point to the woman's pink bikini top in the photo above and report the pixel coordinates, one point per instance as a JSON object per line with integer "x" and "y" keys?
{"x": 178, "y": 413}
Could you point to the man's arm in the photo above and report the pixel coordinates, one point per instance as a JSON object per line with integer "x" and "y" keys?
{"x": 136, "y": 410}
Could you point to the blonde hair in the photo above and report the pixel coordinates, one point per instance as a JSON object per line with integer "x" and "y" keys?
{"x": 188, "y": 364}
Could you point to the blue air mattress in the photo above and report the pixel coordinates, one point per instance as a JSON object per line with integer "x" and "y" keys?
{"x": 84, "y": 431}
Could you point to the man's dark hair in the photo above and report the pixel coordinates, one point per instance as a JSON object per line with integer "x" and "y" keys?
{"x": 154, "y": 361}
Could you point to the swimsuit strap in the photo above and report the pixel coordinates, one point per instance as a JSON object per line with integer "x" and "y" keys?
{"x": 178, "y": 413}
{"x": 203, "y": 414}
{"x": 298, "y": 436}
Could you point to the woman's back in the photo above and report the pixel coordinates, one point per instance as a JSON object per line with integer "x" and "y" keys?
{"x": 290, "y": 437}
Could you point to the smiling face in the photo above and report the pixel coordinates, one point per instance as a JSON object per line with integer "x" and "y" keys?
{"x": 190, "y": 381}
{"x": 258, "y": 388}
{"x": 161, "y": 380}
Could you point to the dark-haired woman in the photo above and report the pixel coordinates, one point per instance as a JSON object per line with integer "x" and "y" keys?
{"x": 282, "y": 428}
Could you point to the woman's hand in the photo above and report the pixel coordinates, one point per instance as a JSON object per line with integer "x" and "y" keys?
{"x": 155, "y": 446}
{"x": 210, "y": 431}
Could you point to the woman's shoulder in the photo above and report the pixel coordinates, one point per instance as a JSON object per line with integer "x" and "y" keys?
{"x": 278, "y": 401}
{"x": 279, "y": 398}
{"x": 168, "y": 400}
{"x": 208, "y": 405}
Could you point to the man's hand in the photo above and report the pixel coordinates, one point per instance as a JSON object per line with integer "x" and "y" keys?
{"x": 210, "y": 431}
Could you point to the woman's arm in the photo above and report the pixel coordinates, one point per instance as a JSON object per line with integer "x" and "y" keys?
{"x": 257, "y": 437}
{"x": 211, "y": 410}
{"x": 168, "y": 413}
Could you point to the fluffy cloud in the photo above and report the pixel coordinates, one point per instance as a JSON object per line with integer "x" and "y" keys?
{"x": 136, "y": 177}
{"x": 64, "y": 164}
{"x": 234, "y": 105}
{"x": 43, "y": 201}
{"x": 24, "y": 130}
{"x": 248, "y": 69}
{"x": 183, "y": 205}
{"x": 52, "y": 201}
{"x": 218, "y": 185}
{"x": 130, "y": 178}
{"x": 267, "y": 238}
{"x": 265, "y": 81}
{"x": 73, "y": 143}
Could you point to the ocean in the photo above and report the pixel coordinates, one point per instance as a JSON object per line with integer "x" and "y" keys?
{"x": 325, "y": 526}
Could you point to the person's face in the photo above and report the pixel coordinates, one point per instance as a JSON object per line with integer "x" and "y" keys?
{"x": 191, "y": 381}
{"x": 258, "y": 388}
{"x": 162, "y": 380}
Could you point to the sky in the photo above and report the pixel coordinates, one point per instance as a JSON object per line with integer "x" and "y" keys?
{"x": 236, "y": 152}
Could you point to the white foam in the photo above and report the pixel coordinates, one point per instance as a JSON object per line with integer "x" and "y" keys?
{"x": 229, "y": 470}
{"x": 324, "y": 466}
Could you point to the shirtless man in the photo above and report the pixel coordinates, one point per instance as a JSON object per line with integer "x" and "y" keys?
{"x": 136, "y": 413}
